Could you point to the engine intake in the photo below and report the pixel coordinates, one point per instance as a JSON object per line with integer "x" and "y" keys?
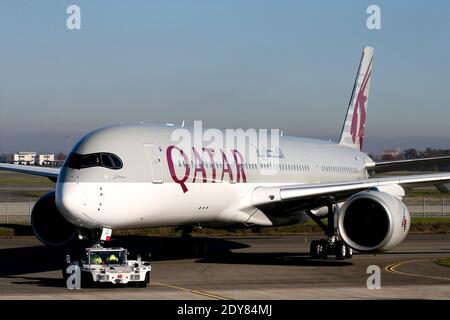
{"x": 373, "y": 221}
{"x": 48, "y": 224}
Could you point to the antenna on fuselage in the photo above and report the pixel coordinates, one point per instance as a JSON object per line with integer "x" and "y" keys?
{"x": 182, "y": 124}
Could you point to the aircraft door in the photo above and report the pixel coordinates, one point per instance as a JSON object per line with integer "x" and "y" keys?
{"x": 154, "y": 156}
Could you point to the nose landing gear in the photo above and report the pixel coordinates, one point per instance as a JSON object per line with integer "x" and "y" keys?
{"x": 95, "y": 237}
{"x": 332, "y": 245}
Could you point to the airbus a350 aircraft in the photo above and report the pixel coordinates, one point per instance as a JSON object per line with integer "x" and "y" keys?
{"x": 130, "y": 176}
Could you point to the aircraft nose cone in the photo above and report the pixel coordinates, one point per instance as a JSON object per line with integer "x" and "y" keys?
{"x": 71, "y": 201}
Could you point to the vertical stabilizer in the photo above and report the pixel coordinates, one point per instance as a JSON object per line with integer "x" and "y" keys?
{"x": 352, "y": 134}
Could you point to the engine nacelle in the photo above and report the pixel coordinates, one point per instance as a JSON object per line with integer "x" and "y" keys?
{"x": 373, "y": 221}
{"x": 48, "y": 224}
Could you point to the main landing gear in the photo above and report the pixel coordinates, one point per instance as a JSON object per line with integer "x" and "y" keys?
{"x": 332, "y": 245}
{"x": 196, "y": 246}
{"x": 324, "y": 247}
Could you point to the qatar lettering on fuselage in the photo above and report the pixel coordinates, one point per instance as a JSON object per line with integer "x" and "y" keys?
{"x": 195, "y": 169}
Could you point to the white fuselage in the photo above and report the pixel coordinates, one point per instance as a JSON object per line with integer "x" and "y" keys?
{"x": 161, "y": 184}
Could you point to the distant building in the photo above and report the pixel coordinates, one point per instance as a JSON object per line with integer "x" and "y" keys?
{"x": 46, "y": 159}
{"x": 25, "y": 158}
{"x": 33, "y": 158}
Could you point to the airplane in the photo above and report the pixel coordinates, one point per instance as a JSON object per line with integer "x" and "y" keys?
{"x": 135, "y": 176}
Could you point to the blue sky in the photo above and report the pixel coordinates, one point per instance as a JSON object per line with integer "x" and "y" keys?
{"x": 264, "y": 64}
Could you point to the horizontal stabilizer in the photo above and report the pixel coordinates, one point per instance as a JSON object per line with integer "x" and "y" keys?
{"x": 405, "y": 165}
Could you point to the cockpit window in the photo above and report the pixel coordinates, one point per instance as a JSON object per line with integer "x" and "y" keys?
{"x": 101, "y": 159}
{"x": 90, "y": 160}
{"x": 106, "y": 161}
{"x": 116, "y": 160}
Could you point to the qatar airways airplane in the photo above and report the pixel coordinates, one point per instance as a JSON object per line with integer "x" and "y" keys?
{"x": 134, "y": 176}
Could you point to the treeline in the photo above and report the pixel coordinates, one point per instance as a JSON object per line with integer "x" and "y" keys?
{"x": 412, "y": 153}
{"x": 4, "y": 157}
{"x": 427, "y": 153}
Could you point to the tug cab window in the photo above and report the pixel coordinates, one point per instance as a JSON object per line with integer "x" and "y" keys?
{"x": 101, "y": 159}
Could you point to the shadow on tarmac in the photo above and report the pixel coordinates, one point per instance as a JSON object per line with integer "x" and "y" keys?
{"x": 34, "y": 259}
{"x": 21, "y": 263}
{"x": 278, "y": 258}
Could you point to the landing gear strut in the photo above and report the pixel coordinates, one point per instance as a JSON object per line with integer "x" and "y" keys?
{"x": 186, "y": 232}
{"x": 95, "y": 237}
{"x": 92, "y": 236}
{"x": 333, "y": 245}
{"x": 195, "y": 246}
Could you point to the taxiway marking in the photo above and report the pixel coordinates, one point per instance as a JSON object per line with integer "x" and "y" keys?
{"x": 202, "y": 293}
{"x": 392, "y": 268}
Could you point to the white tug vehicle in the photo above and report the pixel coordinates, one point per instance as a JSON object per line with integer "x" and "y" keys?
{"x": 110, "y": 265}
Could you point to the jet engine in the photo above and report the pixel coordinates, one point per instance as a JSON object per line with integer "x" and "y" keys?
{"x": 48, "y": 224}
{"x": 373, "y": 221}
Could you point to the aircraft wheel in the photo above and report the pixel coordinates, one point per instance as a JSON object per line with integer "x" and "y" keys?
{"x": 314, "y": 249}
{"x": 323, "y": 248}
{"x": 349, "y": 253}
{"x": 341, "y": 250}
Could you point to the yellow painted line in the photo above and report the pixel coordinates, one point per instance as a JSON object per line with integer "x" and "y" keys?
{"x": 202, "y": 293}
{"x": 392, "y": 268}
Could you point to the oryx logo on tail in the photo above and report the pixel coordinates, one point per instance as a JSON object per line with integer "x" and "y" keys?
{"x": 353, "y": 131}
{"x": 359, "y": 112}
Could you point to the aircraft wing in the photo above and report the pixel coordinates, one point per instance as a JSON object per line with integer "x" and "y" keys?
{"x": 51, "y": 173}
{"x": 389, "y": 166}
{"x": 308, "y": 193}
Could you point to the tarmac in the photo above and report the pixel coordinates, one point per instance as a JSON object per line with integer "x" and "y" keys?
{"x": 235, "y": 268}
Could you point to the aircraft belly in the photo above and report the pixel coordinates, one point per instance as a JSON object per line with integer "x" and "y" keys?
{"x": 132, "y": 205}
